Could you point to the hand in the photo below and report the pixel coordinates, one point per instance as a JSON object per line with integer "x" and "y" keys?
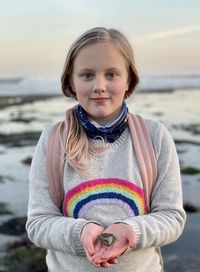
{"x": 125, "y": 237}
{"x": 91, "y": 244}
{"x": 106, "y": 263}
{"x": 89, "y": 237}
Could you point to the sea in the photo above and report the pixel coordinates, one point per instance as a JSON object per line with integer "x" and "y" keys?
{"x": 50, "y": 85}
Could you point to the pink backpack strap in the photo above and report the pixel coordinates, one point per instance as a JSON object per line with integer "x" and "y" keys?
{"x": 144, "y": 151}
{"x": 55, "y": 164}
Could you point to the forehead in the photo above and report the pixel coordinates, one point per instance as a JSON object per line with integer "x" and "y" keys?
{"x": 99, "y": 54}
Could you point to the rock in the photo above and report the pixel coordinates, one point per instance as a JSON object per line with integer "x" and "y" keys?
{"x": 14, "y": 226}
{"x": 189, "y": 207}
{"x": 20, "y": 139}
{"x": 158, "y": 113}
{"x": 24, "y": 256}
{"x": 20, "y": 254}
{"x": 4, "y": 210}
{"x": 193, "y": 128}
{"x": 190, "y": 170}
{"x": 177, "y": 142}
{"x": 23, "y": 120}
{"x": 27, "y": 161}
{"x": 7, "y": 101}
{"x": 24, "y": 241}
{"x": 4, "y": 179}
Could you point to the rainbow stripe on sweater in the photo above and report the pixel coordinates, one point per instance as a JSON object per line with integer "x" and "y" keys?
{"x": 119, "y": 192}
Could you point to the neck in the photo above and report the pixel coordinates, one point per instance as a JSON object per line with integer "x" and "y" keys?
{"x": 110, "y": 122}
{"x": 107, "y": 119}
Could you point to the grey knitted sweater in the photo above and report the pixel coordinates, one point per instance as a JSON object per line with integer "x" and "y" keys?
{"x": 111, "y": 192}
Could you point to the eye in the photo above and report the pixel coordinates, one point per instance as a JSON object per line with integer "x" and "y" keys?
{"x": 111, "y": 75}
{"x": 87, "y": 76}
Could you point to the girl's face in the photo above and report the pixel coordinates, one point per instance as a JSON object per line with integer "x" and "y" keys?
{"x": 100, "y": 80}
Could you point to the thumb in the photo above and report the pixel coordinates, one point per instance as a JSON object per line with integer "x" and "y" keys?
{"x": 132, "y": 240}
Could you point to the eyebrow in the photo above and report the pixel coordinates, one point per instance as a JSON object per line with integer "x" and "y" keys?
{"x": 91, "y": 70}
{"x": 86, "y": 69}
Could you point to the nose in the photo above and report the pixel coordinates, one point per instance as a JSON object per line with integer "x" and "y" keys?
{"x": 99, "y": 85}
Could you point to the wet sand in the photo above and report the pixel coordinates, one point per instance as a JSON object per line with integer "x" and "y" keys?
{"x": 183, "y": 255}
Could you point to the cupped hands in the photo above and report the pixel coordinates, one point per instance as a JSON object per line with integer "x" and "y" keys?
{"x": 101, "y": 255}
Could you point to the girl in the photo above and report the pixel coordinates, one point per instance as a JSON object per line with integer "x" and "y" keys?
{"x": 97, "y": 226}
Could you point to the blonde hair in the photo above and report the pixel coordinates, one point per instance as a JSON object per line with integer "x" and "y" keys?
{"x": 78, "y": 148}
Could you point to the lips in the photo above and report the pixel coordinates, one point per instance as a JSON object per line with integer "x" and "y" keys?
{"x": 100, "y": 98}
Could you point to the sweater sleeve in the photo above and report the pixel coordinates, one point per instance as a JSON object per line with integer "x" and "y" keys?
{"x": 165, "y": 222}
{"x": 46, "y": 226}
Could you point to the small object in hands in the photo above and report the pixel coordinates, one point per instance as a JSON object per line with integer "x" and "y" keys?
{"x": 107, "y": 239}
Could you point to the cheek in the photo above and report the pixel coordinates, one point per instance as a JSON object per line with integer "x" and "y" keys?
{"x": 80, "y": 87}
{"x": 82, "y": 90}
{"x": 119, "y": 89}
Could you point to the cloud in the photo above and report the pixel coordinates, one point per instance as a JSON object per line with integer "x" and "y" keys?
{"x": 166, "y": 34}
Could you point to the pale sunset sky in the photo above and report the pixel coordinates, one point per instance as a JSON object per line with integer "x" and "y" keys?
{"x": 36, "y": 34}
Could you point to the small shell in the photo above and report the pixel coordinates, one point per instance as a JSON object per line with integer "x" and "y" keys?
{"x": 107, "y": 239}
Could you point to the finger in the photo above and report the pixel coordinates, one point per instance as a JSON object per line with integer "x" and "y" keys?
{"x": 115, "y": 252}
{"x": 109, "y": 262}
{"x": 90, "y": 260}
{"x": 102, "y": 259}
{"x": 105, "y": 264}
{"x": 98, "y": 254}
{"x": 113, "y": 261}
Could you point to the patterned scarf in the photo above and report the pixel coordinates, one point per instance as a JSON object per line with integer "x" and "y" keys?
{"x": 109, "y": 132}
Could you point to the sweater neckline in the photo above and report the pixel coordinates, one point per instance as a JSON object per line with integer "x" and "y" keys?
{"x": 114, "y": 145}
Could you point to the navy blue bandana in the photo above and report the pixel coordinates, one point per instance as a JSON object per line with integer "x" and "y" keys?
{"x": 109, "y": 133}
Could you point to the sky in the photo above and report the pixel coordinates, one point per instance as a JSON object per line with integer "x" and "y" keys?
{"x": 35, "y": 35}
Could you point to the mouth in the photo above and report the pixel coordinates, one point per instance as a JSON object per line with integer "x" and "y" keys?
{"x": 100, "y": 99}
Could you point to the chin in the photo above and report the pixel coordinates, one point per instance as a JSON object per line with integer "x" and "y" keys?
{"x": 98, "y": 116}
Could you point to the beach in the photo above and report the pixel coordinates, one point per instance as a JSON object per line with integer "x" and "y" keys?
{"x": 22, "y": 119}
